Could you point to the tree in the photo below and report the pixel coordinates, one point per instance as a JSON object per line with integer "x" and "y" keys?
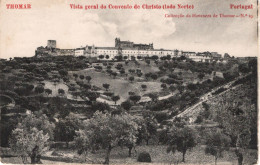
{"x": 131, "y": 71}
{"x": 180, "y": 89}
{"x": 119, "y": 66}
{"x": 201, "y": 75}
{"x": 107, "y": 57}
{"x": 119, "y": 58}
{"x": 39, "y": 89}
{"x": 237, "y": 123}
{"x": 82, "y": 143}
{"x": 154, "y": 57}
{"x": 199, "y": 119}
{"x": 144, "y": 87}
{"x": 161, "y": 116}
{"x": 243, "y": 68}
{"x": 107, "y": 131}
{"x": 229, "y": 76}
{"x": 63, "y": 72}
{"x": 109, "y": 67}
{"x": 163, "y": 86}
{"x": 61, "y": 91}
{"x": 114, "y": 74}
{"x": 48, "y": 91}
{"x": 31, "y": 137}
{"x": 139, "y": 74}
{"x": 126, "y": 105}
{"x": 65, "y": 130}
{"x": 181, "y": 139}
{"x": 147, "y": 62}
{"x": 192, "y": 87}
{"x": 81, "y": 77}
{"x": 86, "y": 86}
{"x": 131, "y": 78}
{"x": 75, "y": 76}
{"x": 172, "y": 70}
{"x": 216, "y": 143}
{"x": 154, "y": 76}
{"x": 88, "y": 78}
{"x": 147, "y": 129}
{"x": 92, "y": 95}
{"x": 172, "y": 88}
{"x": 109, "y": 71}
{"x": 28, "y": 87}
{"x": 101, "y": 56}
{"x": 106, "y": 86}
{"x": 135, "y": 98}
{"x": 115, "y": 98}
{"x": 147, "y": 75}
{"x": 99, "y": 106}
{"x": 122, "y": 71}
{"x": 153, "y": 96}
{"x": 104, "y": 63}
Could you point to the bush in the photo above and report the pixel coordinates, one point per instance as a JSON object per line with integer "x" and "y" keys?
{"x": 144, "y": 157}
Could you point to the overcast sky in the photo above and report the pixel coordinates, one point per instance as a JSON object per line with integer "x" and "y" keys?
{"x": 24, "y": 30}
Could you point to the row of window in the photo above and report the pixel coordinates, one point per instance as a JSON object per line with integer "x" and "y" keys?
{"x": 107, "y": 51}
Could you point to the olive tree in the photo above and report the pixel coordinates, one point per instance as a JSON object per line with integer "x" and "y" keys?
{"x": 216, "y": 143}
{"x": 31, "y": 137}
{"x": 181, "y": 139}
{"x": 115, "y": 98}
{"x": 107, "y": 131}
{"x": 237, "y": 122}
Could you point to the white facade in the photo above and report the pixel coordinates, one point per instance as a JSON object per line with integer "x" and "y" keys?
{"x": 112, "y": 52}
{"x": 197, "y": 58}
{"x": 188, "y": 54}
{"x": 109, "y": 53}
{"x": 79, "y": 52}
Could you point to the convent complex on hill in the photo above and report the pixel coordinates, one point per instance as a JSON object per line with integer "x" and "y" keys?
{"x": 126, "y": 49}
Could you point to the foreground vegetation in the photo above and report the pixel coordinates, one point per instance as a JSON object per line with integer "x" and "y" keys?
{"x": 158, "y": 153}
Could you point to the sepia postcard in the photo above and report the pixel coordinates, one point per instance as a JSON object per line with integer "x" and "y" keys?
{"x": 129, "y": 82}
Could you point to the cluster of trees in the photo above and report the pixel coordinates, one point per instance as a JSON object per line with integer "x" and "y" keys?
{"x": 33, "y": 134}
{"x": 107, "y": 130}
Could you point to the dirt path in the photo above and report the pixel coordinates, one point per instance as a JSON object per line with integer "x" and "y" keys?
{"x": 207, "y": 97}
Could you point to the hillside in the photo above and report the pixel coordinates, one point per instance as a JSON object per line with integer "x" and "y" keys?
{"x": 74, "y": 106}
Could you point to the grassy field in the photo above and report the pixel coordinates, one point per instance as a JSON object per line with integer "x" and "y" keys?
{"x": 119, "y": 85}
{"x": 158, "y": 154}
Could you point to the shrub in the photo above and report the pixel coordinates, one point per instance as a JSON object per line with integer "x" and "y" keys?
{"x": 144, "y": 157}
